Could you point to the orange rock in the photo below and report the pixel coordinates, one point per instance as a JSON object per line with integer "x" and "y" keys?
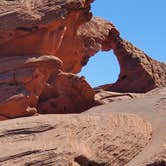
{"x": 25, "y": 79}
{"x": 22, "y": 80}
{"x": 74, "y": 42}
{"x": 46, "y": 29}
{"x": 15, "y": 101}
{"x": 67, "y": 93}
{"x": 3, "y": 118}
{"x": 138, "y": 72}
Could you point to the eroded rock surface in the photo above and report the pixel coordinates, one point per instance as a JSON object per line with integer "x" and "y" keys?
{"x": 30, "y": 29}
{"x": 43, "y": 28}
{"x": 83, "y": 139}
{"x": 22, "y": 80}
{"x": 43, "y": 44}
{"x": 138, "y": 72}
{"x": 104, "y": 97}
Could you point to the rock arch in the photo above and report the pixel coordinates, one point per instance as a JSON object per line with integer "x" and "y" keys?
{"x": 100, "y": 70}
{"x": 138, "y": 72}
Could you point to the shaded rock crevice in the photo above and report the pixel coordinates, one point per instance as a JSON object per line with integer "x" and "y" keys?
{"x": 84, "y": 161}
{"x": 157, "y": 163}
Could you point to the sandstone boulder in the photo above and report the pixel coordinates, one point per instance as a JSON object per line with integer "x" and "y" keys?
{"x": 22, "y": 80}
{"x": 66, "y": 93}
{"x": 138, "y": 72}
{"x": 24, "y": 84}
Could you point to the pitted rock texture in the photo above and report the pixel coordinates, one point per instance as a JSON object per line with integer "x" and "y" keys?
{"x": 138, "y": 72}
{"x": 67, "y": 140}
{"x": 95, "y": 37}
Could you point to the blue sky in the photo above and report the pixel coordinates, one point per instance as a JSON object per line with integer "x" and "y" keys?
{"x": 141, "y": 22}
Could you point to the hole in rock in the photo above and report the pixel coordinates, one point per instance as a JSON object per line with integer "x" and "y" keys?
{"x": 103, "y": 68}
{"x": 158, "y": 163}
{"x": 84, "y": 161}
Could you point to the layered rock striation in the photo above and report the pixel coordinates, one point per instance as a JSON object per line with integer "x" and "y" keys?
{"x": 22, "y": 79}
{"x": 71, "y": 140}
{"x": 43, "y": 28}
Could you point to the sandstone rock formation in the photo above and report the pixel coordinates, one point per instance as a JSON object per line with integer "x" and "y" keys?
{"x": 134, "y": 135}
{"x": 27, "y": 83}
{"x": 105, "y": 97}
{"x": 45, "y": 28}
{"x": 22, "y": 80}
{"x": 66, "y": 93}
{"x": 31, "y": 82}
{"x": 138, "y": 72}
{"x": 43, "y": 45}
{"x": 62, "y": 140}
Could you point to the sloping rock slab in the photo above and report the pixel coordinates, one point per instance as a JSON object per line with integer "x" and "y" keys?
{"x": 70, "y": 140}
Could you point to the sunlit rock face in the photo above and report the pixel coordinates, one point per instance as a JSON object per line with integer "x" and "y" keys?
{"x": 66, "y": 93}
{"x": 43, "y": 28}
{"x": 33, "y": 34}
